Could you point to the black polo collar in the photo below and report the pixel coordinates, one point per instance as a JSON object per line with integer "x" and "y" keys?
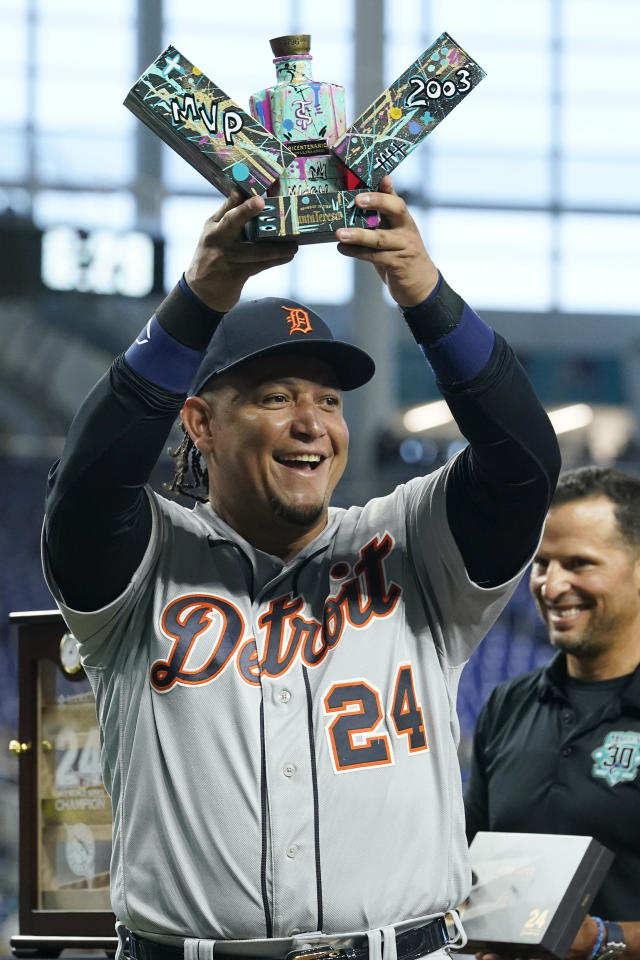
{"x": 552, "y": 683}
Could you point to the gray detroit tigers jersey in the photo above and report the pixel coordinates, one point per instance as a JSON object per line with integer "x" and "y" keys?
{"x": 279, "y": 739}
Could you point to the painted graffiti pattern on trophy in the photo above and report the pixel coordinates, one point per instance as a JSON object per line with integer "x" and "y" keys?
{"x": 408, "y": 110}
{"x": 389, "y": 158}
{"x": 300, "y": 108}
{"x": 206, "y": 126}
{"x": 310, "y": 175}
{"x": 316, "y": 214}
{"x": 302, "y": 111}
{"x": 424, "y": 90}
{"x": 185, "y": 108}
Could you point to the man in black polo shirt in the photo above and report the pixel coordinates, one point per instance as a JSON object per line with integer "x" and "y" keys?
{"x": 558, "y": 750}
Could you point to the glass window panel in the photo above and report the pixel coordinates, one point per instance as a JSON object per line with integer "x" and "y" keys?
{"x": 586, "y": 71}
{"x": 323, "y": 275}
{"x": 66, "y": 105}
{"x": 601, "y": 126}
{"x": 517, "y": 67}
{"x": 333, "y": 63}
{"x": 14, "y": 45}
{"x": 600, "y": 183}
{"x": 601, "y": 247}
{"x": 495, "y": 18}
{"x": 409, "y": 22}
{"x": 267, "y": 21}
{"x": 218, "y": 58}
{"x": 398, "y": 56}
{"x": 219, "y": 31}
{"x": 14, "y": 58}
{"x": 182, "y": 222}
{"x": 15, "y": 200}
{"x": 522, "y": 123}
{"x": 414, "y": 173}
{"x": 276, "y": 282}
{"x": 617, "y": 20}
{"x": 489, "y": 179}
{"x": 13, "y": 156}
{"x": 83, "y": 209}
{"x": 215, "y": 19}
{"x": 15, "y": 108}
{"x": 495, "y": 259}
{"x": 116, "y": 9}
{"x": 82, "y": 45}
{"x": 180, "y": 175}
{"x": 331, "y": 17}
{"x": 304, "y": 278}
{"x": 89, "y": 160}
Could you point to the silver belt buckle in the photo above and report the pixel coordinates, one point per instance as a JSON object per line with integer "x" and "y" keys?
{"x": 314, "y": 953}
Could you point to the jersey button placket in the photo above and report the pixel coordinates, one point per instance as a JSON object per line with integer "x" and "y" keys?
{"x": 290, "y": 801}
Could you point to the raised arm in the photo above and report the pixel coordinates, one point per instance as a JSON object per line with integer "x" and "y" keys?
{"x": 500, "y": 487}
{"x": 98, "y": 517}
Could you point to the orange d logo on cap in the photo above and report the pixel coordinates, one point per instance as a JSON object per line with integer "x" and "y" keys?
{"x": 298, "y": 320}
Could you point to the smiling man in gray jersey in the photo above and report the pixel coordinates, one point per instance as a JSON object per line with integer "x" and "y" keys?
{"x": 275, "y": 678}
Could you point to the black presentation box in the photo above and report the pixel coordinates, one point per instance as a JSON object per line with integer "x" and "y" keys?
{"x": 531, "y": 891}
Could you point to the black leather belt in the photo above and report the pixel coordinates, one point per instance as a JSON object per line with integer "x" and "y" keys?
{"x": 410, "y": 945}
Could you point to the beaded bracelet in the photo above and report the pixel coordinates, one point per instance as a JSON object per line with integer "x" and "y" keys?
{"x": 598, "y": 942}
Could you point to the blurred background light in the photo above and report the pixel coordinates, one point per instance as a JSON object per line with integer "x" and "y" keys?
{"x": 427, "y": 416}
{"x": 571, "y": 418}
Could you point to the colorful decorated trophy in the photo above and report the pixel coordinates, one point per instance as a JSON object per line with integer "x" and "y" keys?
{"x": 305, "y": 115}
{"x": 294, "y": 147}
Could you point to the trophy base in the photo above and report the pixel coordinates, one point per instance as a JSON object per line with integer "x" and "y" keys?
{"x": 310, "y": 218}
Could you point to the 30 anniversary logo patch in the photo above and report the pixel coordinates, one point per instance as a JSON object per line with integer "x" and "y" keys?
{"x": 618, "y": 759}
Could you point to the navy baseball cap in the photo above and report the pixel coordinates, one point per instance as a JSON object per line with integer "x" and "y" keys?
{"x": 261, "y": 328}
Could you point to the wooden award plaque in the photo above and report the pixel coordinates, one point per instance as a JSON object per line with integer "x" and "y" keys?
{"x": 65, "y": 811}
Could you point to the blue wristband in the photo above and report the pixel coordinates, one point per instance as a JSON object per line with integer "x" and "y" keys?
{"x": 459, "y": 356}
{"x": 163, "y": 360}
{"x": 598, "y": 942}
{"x": 454, "y": 339}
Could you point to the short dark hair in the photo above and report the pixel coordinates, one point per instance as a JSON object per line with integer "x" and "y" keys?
{"x": 621, "y": 488}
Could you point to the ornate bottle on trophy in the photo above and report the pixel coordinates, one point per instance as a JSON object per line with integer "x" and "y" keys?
{"x": 307, "y": 116}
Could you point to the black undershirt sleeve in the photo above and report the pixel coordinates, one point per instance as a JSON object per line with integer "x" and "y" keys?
{"x": 500, "y": 487}
{"x": 98, "y": 517}
{"x": 476, "y": 805}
